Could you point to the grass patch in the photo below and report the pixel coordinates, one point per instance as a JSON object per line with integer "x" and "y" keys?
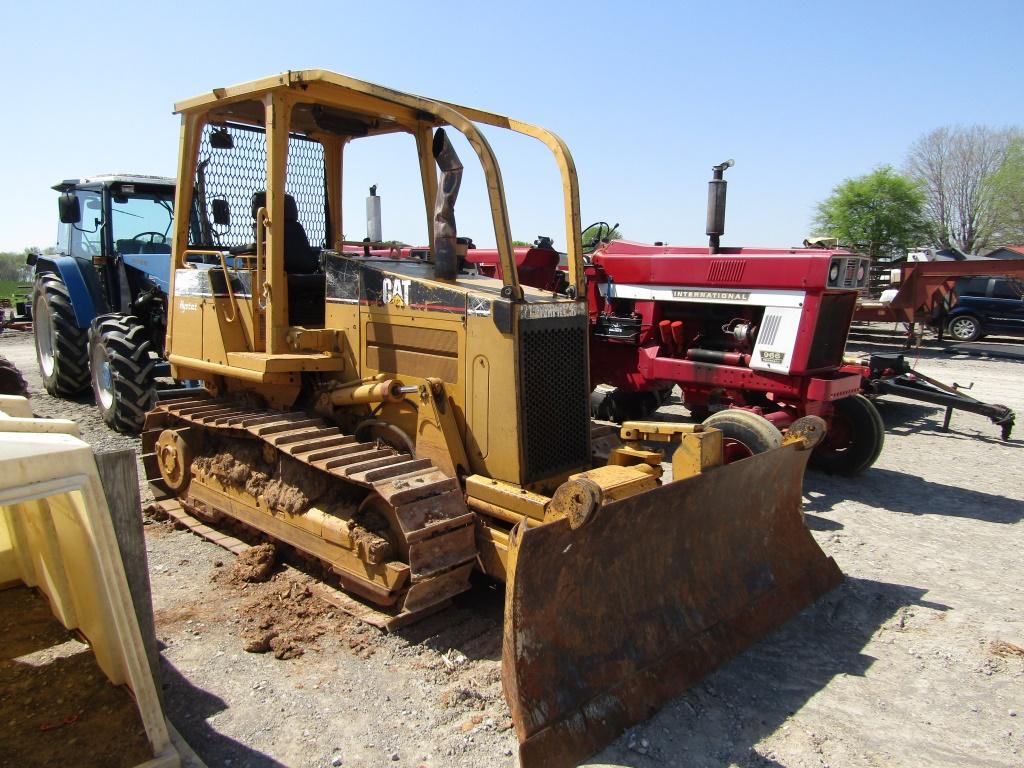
{"x": 9, "y": 288}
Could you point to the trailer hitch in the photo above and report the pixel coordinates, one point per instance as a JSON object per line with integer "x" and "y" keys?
{"x": 889, "y": 374}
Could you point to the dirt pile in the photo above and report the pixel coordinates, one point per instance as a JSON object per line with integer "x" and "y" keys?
{"x": 284, "y": 617}
{"x": 253, "y": 565}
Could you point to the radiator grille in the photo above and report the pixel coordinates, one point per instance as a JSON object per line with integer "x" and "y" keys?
{"x": 554, "y": 390}
{"x": 830, "y": 333}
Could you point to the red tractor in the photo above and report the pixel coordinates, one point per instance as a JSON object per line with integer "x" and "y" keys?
{"x": 754, "y": 337}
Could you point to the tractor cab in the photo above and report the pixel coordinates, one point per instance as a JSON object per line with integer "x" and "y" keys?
{"x": 115, "y": 222}
{"x": 99, "y": 304}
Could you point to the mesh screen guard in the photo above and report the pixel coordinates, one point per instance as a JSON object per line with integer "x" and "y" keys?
{"x": 236, "y": 174}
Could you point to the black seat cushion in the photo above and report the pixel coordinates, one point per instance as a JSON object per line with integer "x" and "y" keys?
{"x": 299, "y": 257}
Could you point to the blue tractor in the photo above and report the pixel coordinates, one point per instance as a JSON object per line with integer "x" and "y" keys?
{"x": 100, "y": 305}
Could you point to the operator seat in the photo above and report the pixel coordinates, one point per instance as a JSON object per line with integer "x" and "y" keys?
{"x": 307, "y": 285}
{"x": 299, "y": 257}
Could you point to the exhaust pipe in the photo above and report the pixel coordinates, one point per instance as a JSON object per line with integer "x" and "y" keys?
{"x": 716, "y": 205}
{"x": 446, "y": 258}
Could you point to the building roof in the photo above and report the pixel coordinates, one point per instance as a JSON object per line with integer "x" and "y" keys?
{"x": 1007, "y": 252}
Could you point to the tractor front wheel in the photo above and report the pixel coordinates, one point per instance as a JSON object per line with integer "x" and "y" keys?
{"x": 854, "y": 439}
{"x": 744, "y": 433}
{"x": 61, "y": 346}
{"x": 121, "y": 362}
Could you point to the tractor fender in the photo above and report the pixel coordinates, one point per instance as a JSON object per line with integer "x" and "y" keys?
{"x": 82, "y": 283}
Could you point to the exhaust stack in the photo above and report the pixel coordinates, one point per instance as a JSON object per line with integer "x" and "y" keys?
{"x": 716, "y": 205}
{"x": 446, "y": 258}
{"x": 373, "y": 228}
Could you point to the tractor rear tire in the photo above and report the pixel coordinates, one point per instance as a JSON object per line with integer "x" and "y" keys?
{"x": 122, "y": 360}
{"x": 11, "y": 380}
{"x": 61, "y": 346}
{"x": 854, "y": 439}
{"x": 744, "y": 433}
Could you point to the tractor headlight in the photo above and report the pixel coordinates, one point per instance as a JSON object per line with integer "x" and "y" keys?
{"x": 833, "y": 273}
{"x": 861, "y": 272}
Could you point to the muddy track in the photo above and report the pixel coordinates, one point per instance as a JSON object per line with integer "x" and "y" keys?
{"x": 393, "y": 528}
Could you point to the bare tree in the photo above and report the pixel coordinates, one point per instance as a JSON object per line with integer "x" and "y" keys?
{"x": 953, "y": 166}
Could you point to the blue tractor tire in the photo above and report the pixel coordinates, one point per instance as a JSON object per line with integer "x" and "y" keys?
{"x": 122, "y": 363}
{"x": 61, "y": 346}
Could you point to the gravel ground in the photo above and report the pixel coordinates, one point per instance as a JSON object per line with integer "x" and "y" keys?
{"x": 917, "y": 659}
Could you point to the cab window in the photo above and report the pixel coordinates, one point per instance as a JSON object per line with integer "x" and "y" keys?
{"x": 83, "y": 239}
{"x": 141, "y": 223}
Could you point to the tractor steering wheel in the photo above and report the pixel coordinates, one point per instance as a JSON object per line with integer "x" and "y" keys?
{"x": 603, "y": 230}
{"x": 152, "y": 237}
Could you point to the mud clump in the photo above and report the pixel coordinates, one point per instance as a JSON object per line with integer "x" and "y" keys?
{"x": 1005, "y": 649}
{"x": 232, "y": 466}
{"x": 254, "y": 565}
{"x": 284, "y": 618}
{"x": 463, "y": 698}
{"x": 284, "y": 483}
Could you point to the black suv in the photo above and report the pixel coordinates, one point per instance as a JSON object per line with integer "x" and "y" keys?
{"x": 983, "y": 305}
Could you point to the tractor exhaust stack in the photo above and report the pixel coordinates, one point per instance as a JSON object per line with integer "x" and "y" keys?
{"x": 716, "y": 205}
{"x": 446, "y": 258}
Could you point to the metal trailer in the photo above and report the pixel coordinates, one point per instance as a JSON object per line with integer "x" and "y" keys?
{"x": 924, "y": 291}
{"x": 99, "y": 305}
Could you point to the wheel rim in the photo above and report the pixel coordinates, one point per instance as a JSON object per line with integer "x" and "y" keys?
{"x": 734, "y": 450}
{"x": 840, "y": 435}
{"x": 103, "y": 378}
{"x": 963, "y": 328}
{"x": 45, "y": 339}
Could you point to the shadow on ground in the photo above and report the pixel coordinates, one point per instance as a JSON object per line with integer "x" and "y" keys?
{"x": 190, "y": 708}
{"x": 472, "y": 626}
{"x": 720, "y": 721}
{"x": 899, "y": 492}
{"x": 903, "y": 417}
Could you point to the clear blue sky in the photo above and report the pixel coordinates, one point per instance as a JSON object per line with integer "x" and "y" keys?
{"x": 647, "y": 95}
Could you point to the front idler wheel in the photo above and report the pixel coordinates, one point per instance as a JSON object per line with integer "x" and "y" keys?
{"x": 174, "y": 456}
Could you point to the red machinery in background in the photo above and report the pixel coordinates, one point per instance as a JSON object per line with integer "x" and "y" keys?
{"x": 743, "y": 332}
{"x": 753, "y": 337}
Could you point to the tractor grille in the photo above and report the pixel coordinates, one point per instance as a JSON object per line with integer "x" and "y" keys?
{"x": 554, "y": 396}
{"x": 830, "y": 333}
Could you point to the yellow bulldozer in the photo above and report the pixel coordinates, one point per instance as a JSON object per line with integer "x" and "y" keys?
{"x": 404, "y": 421}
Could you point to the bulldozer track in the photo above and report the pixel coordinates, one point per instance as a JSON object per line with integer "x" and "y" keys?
{"x": 432, "y": 527}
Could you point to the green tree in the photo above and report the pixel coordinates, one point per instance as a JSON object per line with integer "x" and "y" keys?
{"x": 1006, "y": 186}
{"x": 880, "y": 214}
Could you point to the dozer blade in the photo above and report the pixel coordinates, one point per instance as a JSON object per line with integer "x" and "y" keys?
{"x": 605, "y": 623}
